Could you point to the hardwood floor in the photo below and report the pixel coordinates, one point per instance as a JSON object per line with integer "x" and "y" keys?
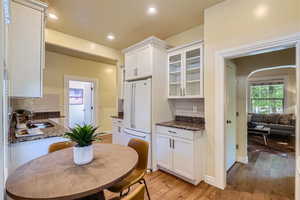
{"x": 268, "y": 176}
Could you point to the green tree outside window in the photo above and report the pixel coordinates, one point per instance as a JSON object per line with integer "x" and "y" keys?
{"x": 267, "y": 98}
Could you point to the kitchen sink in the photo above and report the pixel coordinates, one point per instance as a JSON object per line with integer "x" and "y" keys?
{"x": 39, "y": 125}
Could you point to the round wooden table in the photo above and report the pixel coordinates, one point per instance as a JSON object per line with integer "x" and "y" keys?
{"x": 55, "y": 176}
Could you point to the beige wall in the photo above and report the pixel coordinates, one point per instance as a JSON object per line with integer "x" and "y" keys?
{"x": 246, "y": 65}
{"x": 234, "y": 23}
{"x": 68, "y": 43}
{"x": 188, "y": 36}
{"x": 58, "y": 65}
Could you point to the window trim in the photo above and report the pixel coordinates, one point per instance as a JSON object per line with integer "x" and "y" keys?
{"x": 266, "y": 80}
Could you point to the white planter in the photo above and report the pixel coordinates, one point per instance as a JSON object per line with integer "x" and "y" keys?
{"x": 83, "y": 155}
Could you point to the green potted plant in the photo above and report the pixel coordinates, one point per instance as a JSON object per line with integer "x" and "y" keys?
{"x": 83, "y": 136}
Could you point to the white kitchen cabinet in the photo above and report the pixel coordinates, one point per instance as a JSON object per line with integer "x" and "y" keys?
{"x": 23, "y": 152}
{"x": 183, "y": 152}
{"x": 180, "y": 152}
{"x": 139, "y": 58}
{"x": 164, "y": 149}
{"x": 185, "y": 71}
{"x": 119, "y": 137}
{"x": 26, "y": 48}
{"x": 130, "y": 65}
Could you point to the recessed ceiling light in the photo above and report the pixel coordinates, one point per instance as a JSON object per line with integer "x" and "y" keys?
{"x": 110, "y": 37}
{"x": 152, "y": 10}
{"x": 52, "y": 16}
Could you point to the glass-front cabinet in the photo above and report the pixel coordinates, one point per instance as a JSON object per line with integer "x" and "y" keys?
{"x": 185, "y": 71}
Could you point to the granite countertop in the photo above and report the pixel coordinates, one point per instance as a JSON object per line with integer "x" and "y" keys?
{"x": 56, "y": 131}
{"x": 184, "y": 125}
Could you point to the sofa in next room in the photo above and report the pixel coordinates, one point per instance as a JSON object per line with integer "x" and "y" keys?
{"x": 280, "y": 124}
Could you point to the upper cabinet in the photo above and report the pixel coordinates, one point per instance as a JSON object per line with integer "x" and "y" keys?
{"x": 26, "y": 48}
{"x": 185, "y": 71}
{"x": 139, "y": 58}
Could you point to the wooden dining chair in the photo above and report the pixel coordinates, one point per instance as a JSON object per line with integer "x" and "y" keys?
{"x": 137, "y": 175}
{"x": 59, "y": 146}
{"x": 137, "y": 194}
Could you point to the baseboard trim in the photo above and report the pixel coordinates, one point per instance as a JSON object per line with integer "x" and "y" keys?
{"x": 242, "y": 159}
{"x": 210, "y": 180}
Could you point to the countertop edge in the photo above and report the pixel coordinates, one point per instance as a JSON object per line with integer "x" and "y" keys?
{"x": 180, "y": 127}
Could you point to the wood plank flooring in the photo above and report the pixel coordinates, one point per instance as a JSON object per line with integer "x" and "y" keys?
{"x": 268, "y": 176}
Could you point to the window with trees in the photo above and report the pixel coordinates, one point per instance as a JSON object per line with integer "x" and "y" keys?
{"x": 267, "y": 98}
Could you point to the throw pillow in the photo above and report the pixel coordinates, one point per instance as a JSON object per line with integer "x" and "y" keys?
{"x": 285, "y": 119}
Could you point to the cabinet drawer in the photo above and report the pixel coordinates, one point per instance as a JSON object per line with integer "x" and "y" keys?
{"x": 117, "y": 122}
{"x": 175, "y": 132}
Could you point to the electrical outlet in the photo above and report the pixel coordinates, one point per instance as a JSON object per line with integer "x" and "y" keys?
{"x": 195, "y": 108}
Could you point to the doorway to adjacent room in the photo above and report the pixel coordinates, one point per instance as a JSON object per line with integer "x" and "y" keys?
{"x": 80, "y": 101}
{"x": 221, "y": 118}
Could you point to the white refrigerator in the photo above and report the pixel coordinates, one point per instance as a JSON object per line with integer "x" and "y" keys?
{"x": 137, "y": 111}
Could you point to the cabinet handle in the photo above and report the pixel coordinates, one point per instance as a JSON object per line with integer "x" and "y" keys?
{"x": 170, "y": 143}
{"x": 173, "y": 132}
{"x": 173, "y": 144}
{"x": 136, "y": 71}
{"x": 119, "y": 129}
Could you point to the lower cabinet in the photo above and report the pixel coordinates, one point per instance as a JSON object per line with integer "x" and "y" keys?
{"x": 183, "y": 157}
{"x": 118, "y": 135}
{"x": 164, "y": 151}
{"x": 23, "y": 152}
{"x": 180, "y": 152}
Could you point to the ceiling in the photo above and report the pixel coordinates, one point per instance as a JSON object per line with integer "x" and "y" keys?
{"x": 127, "y": 19}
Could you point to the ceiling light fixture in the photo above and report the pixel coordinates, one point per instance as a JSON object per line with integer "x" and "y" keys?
{"x": 152, "y": 10}
{"x": 110, "y": 37}
{"x": 52, "y": 16}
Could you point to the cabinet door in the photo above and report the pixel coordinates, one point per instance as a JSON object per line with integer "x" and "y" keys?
{"x": 164, "y": 151}
{"x": 175, "y": 69}
{"x": 115, "y": 134}
{"x": 141, "y": 106}
{"x": 144, "y": 62}
{"x": 26, "y": 50}
{"x": 193, "y": 72}
{"x": 183, "y": 157}
{"x": 130, "y": 65}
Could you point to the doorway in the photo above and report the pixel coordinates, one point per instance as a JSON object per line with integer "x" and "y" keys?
{"x": 80, "y": 101}
{"x": 220, "y": 96}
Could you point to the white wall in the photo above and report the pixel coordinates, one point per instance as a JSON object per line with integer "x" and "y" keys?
{"x": 2, "y": 154}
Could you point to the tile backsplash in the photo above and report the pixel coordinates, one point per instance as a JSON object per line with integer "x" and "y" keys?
{"x": 48, "y": 103}
{"x": 189, "y": 107}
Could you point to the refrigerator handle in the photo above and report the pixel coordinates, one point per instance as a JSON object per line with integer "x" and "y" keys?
{"x": 131, "y": 105}
{"x": 132, "y": 120}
